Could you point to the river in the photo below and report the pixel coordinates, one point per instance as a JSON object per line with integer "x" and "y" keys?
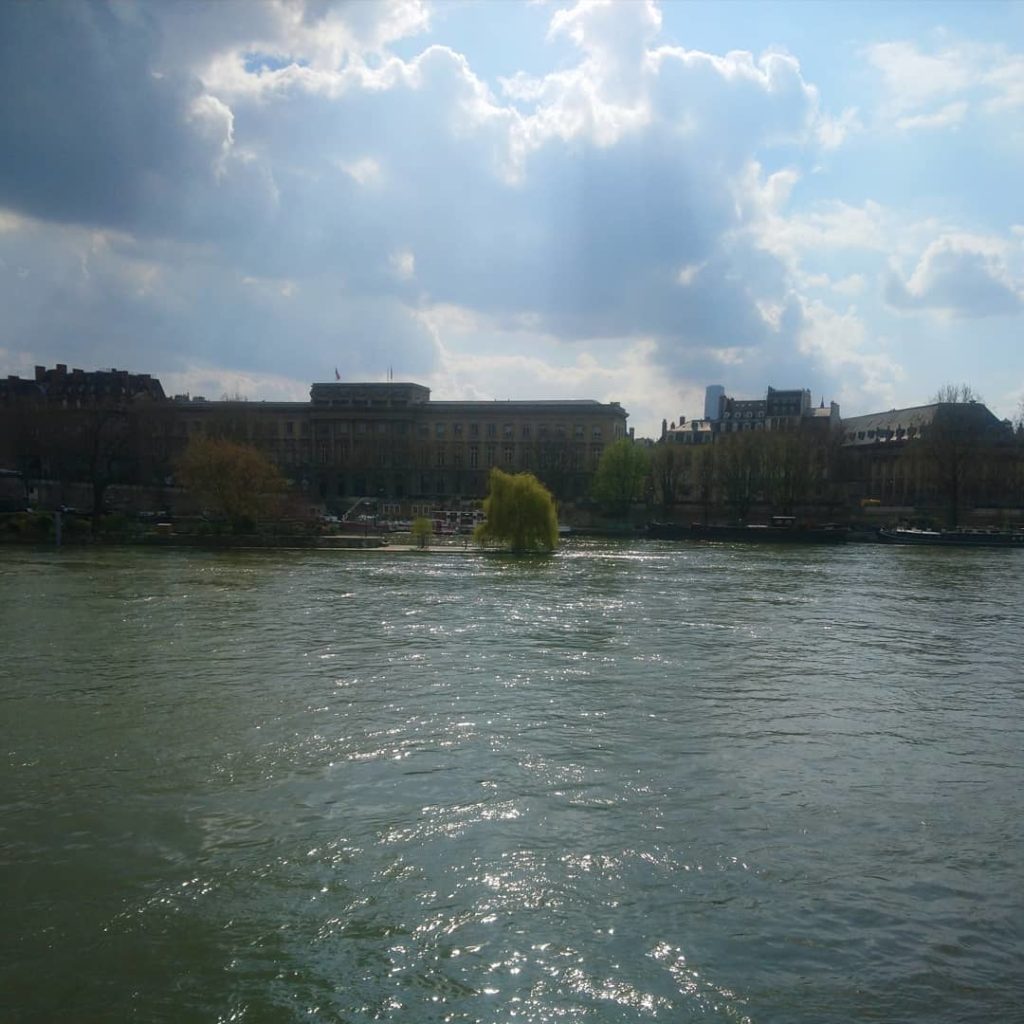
{"x": 629, "y": 782}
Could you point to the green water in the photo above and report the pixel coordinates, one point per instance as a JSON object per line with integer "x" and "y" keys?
{"x": 627, "y": 783}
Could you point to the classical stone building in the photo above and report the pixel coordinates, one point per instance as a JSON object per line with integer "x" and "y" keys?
{"x": 942, "y": 460}
{"x": 945, "y": 455}
{"x": 780, "y": 409}
{"x": 392, "y": 441}
{"x": 386, "y": 441}
{"x": 74, "y": 388}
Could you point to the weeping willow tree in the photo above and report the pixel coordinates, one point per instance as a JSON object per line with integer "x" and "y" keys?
{"x": 520, "y": 513}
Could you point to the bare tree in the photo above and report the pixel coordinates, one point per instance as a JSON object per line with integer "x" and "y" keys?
{"x": 791, "y": 468}
{"x": 741, "y": 470}
{"x": 955, "y": 445}
{"x": 666, "y": 470}
{"x": 957, "y": 394}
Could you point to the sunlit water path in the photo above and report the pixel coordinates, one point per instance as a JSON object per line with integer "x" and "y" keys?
{"x": 627, "y": 783}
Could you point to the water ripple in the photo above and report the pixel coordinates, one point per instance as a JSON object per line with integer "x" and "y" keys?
{"x": 627, "y": 783}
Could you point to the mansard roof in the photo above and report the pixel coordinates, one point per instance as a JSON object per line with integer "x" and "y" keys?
{"x": 905, "y": 424}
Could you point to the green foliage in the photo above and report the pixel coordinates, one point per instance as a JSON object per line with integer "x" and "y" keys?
{"x": 520, "y": 513}
{"x": 31, "y": 525}
{"x": 422, "y": 528}
{"x": 115, "y": 524}
{"x": 620, "y": 476}
{"x": 233, "y": 480}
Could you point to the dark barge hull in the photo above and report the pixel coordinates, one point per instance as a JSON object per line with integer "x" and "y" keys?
{"x": 748, "y": 534}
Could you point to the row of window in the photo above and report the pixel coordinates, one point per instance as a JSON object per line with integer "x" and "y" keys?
{"x": 490, "y": 456}
{"x": 457, "y": 431}
{"x": 881, "y": 435}
{"x": 508, "y": 431}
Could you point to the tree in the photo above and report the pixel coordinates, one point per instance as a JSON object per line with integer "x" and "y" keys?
{"x": 790, "y": 470}
{"x": 741, "y": 464}
{"x": 956, "y": 394}
{"x": 620, "y": 476}
{"x": 421, "y": 530}
{"x": 666, "y": 470}
{"x": 520, "y": 513}
{"x": 234, "y": 480}
{"x": 22, "y": 436}
{"x": 703, "y": 473}
{"x": 954, "y": 446}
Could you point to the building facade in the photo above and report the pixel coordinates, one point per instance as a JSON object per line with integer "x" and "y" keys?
{"x": 779, "y": 410}
{"x": 386, "y": 441}
{"x": 943, "y": 459}
{"x": 946, "y": 454}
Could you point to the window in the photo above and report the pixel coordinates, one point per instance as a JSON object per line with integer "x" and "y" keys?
{"x": 509, "y": 455}
{"x": 596, "y": 434}
{"x": 422, "y": 430}
{"x": 577, "y": 431}
{"x": 526, "y": 431}
{"x": 492, "y": 430}
{"x": 474, "y": 430}
{"x": 439, "y": 457}
{"x": 289, "y": 428}
{"x": 490, "y": 454}
{"x": 508, "y": 431}
{"x": 439, "y": 430}
{"x": 457, "y": 429}
{"x": 474, "y": 453}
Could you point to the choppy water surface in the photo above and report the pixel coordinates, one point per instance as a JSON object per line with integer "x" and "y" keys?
{"x": 627, "y": 783}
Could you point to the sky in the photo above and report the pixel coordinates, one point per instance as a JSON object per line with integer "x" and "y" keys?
{"x": 620, "y": 201}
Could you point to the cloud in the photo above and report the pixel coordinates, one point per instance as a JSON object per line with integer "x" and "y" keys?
{"x": 942, "y": 88}
{"x": 92, "y": 133}
{"x": 268, "y": 191}
{"x": 851, "y": 286}
{"x": 914, "y": 79}
{"x": 949, "y": 116}
{"x": 960, "y": 276}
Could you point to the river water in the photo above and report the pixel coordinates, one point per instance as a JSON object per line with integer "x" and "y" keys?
{"x": 629, "y": 782}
